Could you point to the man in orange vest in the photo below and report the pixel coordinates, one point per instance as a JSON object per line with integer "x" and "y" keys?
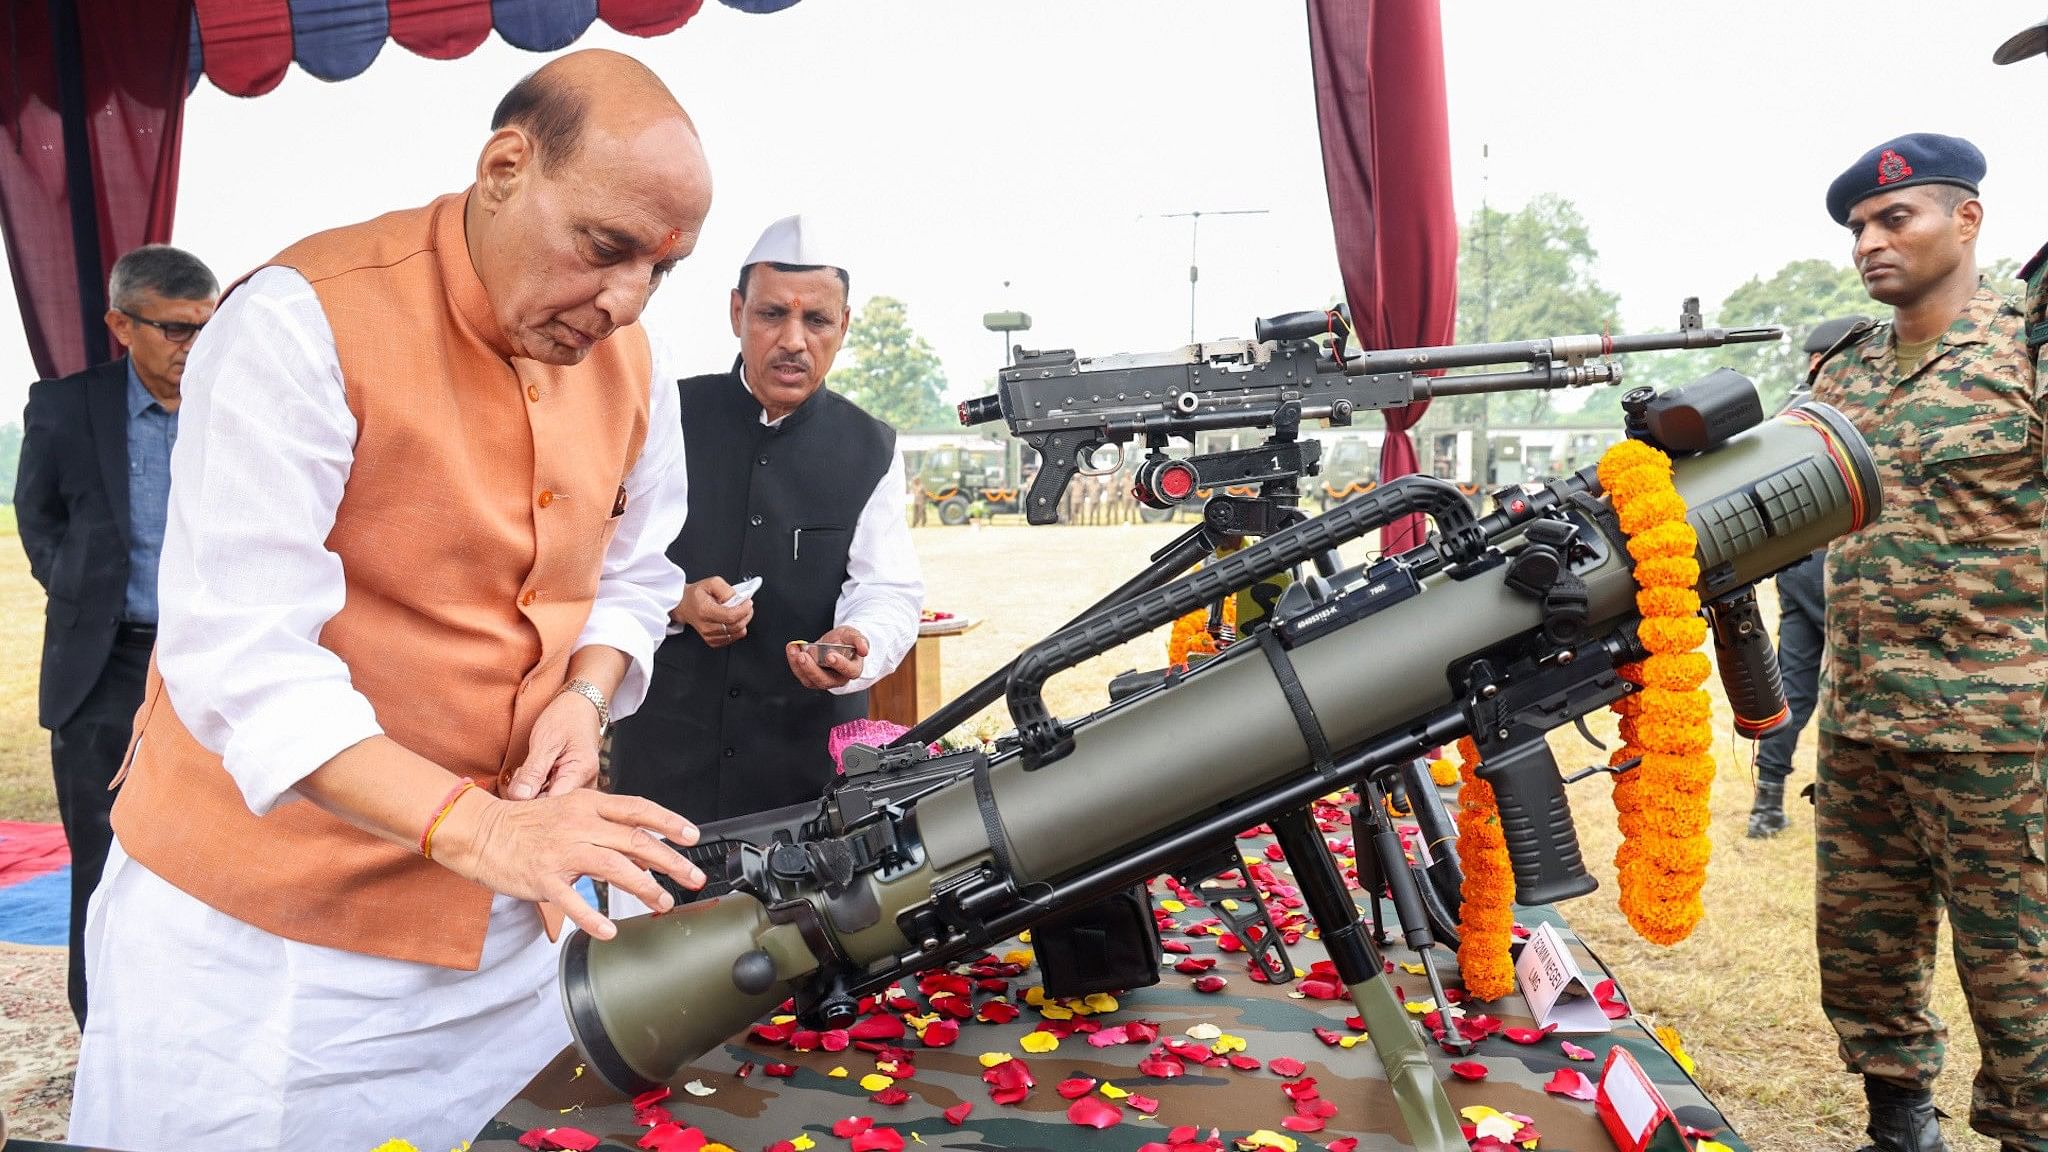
{"x": 413, "y": 564}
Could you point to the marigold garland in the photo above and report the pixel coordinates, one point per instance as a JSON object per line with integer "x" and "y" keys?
{"x": 1661, "y": 804}
{"x": 1486, "y": 917}
{"x": 1190, "y": 635}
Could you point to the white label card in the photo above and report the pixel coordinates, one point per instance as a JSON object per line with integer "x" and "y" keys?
{"x": 1557, "y": 992}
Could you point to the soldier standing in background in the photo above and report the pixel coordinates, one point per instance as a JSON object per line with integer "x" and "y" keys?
{"x": 1802, "y": 629}
{"x": 1929, "y": 790}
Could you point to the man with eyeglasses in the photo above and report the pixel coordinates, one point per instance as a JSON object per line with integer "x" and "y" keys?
{"x": 90, "y": 495}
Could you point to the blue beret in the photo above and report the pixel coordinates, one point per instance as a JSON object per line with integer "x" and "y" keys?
{"x": 1916, "y": 158}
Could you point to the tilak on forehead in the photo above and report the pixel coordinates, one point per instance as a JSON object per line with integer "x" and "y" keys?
{"x": 668, "y": 244}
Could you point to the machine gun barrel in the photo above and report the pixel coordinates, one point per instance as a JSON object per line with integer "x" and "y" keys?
{"x": 1556, "y": 349}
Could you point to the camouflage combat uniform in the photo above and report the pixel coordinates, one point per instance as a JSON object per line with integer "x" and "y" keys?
{"x": 1930, "y": 787}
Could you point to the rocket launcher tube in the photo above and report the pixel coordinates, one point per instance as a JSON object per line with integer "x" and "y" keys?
{"x": 1222, "y": 743}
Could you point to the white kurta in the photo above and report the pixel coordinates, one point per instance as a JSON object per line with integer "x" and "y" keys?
{"x": 205, "y": 1031}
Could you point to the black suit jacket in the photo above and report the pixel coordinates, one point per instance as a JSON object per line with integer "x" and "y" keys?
{"x": 71, "y": 499}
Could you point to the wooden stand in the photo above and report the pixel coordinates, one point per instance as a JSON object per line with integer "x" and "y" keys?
{"x": 912, "y": 691}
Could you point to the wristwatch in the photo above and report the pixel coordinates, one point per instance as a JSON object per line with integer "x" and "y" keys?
{"x": 590, "y": 692}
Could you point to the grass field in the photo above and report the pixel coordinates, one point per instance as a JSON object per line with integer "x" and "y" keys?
{"x": 1742, "y": 992}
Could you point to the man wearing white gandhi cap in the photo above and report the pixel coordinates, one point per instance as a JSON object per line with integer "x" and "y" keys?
{"x": 793, "y": 484}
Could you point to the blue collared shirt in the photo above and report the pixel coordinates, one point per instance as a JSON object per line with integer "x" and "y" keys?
{"x": 151, "y": 433}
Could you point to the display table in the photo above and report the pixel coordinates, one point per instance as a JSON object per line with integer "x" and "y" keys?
{"x": 756, "y": 1111}
{"x": 912, "y": 691}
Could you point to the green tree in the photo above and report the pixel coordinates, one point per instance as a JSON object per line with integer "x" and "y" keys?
{"x": 893, "y": 373}
{"x": 10, "y": 459}
{"x": 1523, "y": 276}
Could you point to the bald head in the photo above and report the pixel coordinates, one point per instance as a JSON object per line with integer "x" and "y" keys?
{"x": 594, "y": 88}
{"x": 591, "y": 188}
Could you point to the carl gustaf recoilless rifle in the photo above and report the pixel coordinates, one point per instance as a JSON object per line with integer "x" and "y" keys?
{"x": 1501, "y": 627}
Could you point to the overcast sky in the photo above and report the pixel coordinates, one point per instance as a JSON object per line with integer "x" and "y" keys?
{"x": 960, "y": 144}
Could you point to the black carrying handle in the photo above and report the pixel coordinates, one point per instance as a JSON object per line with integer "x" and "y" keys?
{"x": 1045, "y": 739}
{"x": 1536, "y": 819}
{"x": 1748, "y": 664}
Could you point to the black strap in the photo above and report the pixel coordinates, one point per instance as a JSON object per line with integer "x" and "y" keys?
{"x": 1297, "y": 701}
{"x": 991, "y": 820}
{"x": 1566, "y": 605}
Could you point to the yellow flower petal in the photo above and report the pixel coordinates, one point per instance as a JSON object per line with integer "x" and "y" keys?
{"x": 1413, "y": 969}
{"x": 1039, "y": 1042}
{"x": 1474, "y": 1113}
{"x": 875, "y": 1082}
{"x": 1055, "y": 1012}
{"x": 1229, "y": 905}
{"x": 784, "y": 1018}
{"x": 1019, "y": 956}
{"x": 1173, "y": 906}
{"x": 839, "y": 1072}
{"x": 1101, "y": 1002}
{"x": 1420, "y": 1007}
{"x": 1024, "y": 937}
{"x": 803, "y": 1143}
{"x": 991, "y": 1059}
{"x": 395, "y": 1146}
{"x": 1348, "y": 1041}
{"x": 1034, "y": 996}
{"x": 1267, "y": 1138}
{"x": 1226, "y": 1044}
{"x": 1111, "y": 1091}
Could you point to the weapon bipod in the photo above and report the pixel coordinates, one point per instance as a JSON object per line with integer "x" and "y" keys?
{"x": 1264, "y": 948}
{"x": 1385, "y": 874}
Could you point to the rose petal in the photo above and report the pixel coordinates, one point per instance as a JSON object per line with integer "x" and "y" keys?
{"x": 773, "y": 1033}
{"x": 1528, "y": 1035}
{"x": 1244, "y": 1062}
{"x": 1301, "y": 1124}
{"x": 671, "y": 1137}
{"x": 1574, "y": 1051}
{"x": 893, "y": 1094}
{"x": 997, "y": 1012}
{"x": 1210, "y": 983}
{"x": 1075, "y": 1087}
{"x": 1194, "y": 965}
{"x": 1469, "y": 1070}
{"x": 573, "y": 1139}
{"x": 878, "y": 1140}
{"x": 1094, "y": 1112}
{"x": 1347, "y": 1144}
{"x": 1571, "y": 1082}
{"x": 1144, "y": 1104}
{"x": 852, "y": 1126}
{"x": 1162, "y": 1065}
{"x": 1108, "y": 1037}
{"x": 1320, "y": 989}
{"x": 939, "y": 1033}
{"x": 958, "y": 1112}
{"x": 835, "y": 1040}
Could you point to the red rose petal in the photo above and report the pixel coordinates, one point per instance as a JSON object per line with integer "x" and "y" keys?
{"x": 1528, "y": 1035}
{"x": 878, "y": 1140}
{"x": 1468, "y": 1070}
{"x": 1210, "y": 983}
{"x": 893, "y": 1094}
{"x": 958, "y": 1112}
{"x": 1194, "y": 965}
{"x": 835, "y": 1040}
{"x": 1177, "y": 947}
{"x": 997, "y": 1012}
{"x": 1321, "y": 989}
{"x": 572, "y": 1139}
{"x": 1183, "y": 1134}
{"x": 940, "y": 1033}
{"x": 1286, "y": 1066}
{"x": 650, "y": 1117}
{"x": 878, "y": 1028}
{"x": 1108, "y": 1037}
{"x": 852, "y": 1126}
{"x": 1317, "y": 1109}
{"x": 1075, "y": 1087}
{"x": 1009, "y": 1095}
{"x": 1163, "y": 1066}
{"x": 1245, "y": 1063}
{"x": 784, "y": 1070}
{"x": 1144, "y": 1104}
{"x": 1329, "y": 1037}
{"x": 773, "y": 1033}
{"x": 781, "y": 1146}
{"x": 1301, "y": 1089}
{"x": 1301, "y": 1124}
{"x": 1347, "y": 1144}
{"x": 1093, "y": 1111}
{"x": 1570, "y": 1082}
{"x": 671, "y": 1137}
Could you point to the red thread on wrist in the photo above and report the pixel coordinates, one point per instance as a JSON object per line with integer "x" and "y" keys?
{"x": 441, "y": 813}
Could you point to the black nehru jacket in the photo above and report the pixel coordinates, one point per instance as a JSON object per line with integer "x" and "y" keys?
{"x": 729, "y": 731}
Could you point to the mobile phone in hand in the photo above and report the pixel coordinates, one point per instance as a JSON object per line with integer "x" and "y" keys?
{"x": 820, "y": 650}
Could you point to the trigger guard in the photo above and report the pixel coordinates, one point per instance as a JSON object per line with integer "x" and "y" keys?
{"x": 1084, "y": 460}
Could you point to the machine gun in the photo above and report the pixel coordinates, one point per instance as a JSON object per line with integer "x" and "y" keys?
{"x": 1470, "y": 634}
{"x": 1068, "y": 407}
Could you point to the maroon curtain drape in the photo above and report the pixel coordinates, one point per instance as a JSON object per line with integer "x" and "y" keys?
{"x": 1379, "y": 75}
{"x": 124, "y": 62}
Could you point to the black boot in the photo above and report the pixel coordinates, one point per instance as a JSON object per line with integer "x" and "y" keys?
{"x": 1901, "y": 1119}
{"x": 1767, "y": 815}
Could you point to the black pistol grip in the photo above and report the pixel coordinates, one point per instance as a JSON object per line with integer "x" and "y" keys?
{"x": 1059, "y": 458}
{"x": 1543, "y": 844}
{"x": 1749, "y": 665}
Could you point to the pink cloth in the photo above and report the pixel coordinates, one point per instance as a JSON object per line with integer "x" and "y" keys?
{"x": 873, "y": 733}
{"x": 30, "y": 850}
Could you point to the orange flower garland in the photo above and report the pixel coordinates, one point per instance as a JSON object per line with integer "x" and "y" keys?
{"x": 1661, "y": 804}
{"x": 1486, "y": 918}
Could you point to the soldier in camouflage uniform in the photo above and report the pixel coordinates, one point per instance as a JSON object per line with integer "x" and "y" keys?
{"x": 2027, "y": 42}
{"x": 1930, "y": 788}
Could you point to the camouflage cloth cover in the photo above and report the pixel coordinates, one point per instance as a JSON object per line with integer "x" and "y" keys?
{"x": 2035, "y": 304}
{"x": 748, "y": 1109}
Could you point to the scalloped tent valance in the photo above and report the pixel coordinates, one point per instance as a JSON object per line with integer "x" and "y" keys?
{"x": 245, "y": 46}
